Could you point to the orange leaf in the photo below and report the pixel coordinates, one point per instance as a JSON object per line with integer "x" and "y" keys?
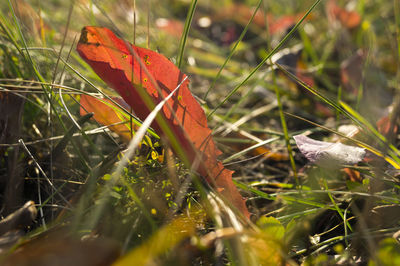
{"x": 116, "y": 62}
{"x": 105, "y": 114}
{"x": 353, "y": 175}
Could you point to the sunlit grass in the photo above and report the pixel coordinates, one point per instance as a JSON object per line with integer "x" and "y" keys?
{"x": 151, "y": 204}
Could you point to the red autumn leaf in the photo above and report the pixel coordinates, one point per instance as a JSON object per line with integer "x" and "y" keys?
{"x": 243, "y": 13}
{"x": 106, "y": 114}
{"x": 115, "y": 61}
{"x": 349, "y": 19}
{"x": 353, "y": 175}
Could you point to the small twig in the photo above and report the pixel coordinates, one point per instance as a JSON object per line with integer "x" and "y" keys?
{"x": 87, "y": 132}
{"x": 240, "y": 131}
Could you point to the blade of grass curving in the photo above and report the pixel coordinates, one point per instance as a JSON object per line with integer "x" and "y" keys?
{"x": 309, "y": 48}
{"x": 148, "y": 25}
{"x": 287, "y": 218}
{"x": 242, "y": 99}
{"x": 14, "y": 68}
{"x": 5, "y": 26}
{"x": 28, "y": 57}
{"x": 363, "y": 121}
{"x": 40, "y": 78}
{"x": 347, "y": 224}
{"x": 134, "y": 43}
{"x": 105, "y": 14}
{"x": 146, "y": 124}
{"x": 372, "y": 129}
{"x": 73, "y": 98}
{"x": 233, "y": 49}
{"x": 185, "y": 33}
{"x": 338, "y": 99}
{"x": 315, "y": 92}
{"x": 268, "y": 56}
{"x": 285, "y": 130}
{"x": 160, "y": 120}
{"x": 63, "y": 41}
{"x": 58, "y": 61}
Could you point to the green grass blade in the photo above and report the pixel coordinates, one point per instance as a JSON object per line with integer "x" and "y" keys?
{"x": 285, "y": 130}
{"x": 336, "y": 206}
{"x": 372, "y": 129}
{"x": 46, "y": 89}
{"x": 185, "y": 34}
{"x": 315, "y": 92}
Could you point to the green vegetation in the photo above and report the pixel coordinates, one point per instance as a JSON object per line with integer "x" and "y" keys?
{"x": 264, "y": 71}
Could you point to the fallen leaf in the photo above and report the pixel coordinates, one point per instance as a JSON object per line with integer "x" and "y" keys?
{"x": 243, "y": 13}
{"x": 354, "y": 176}
{"x": 349, "y": 19}
{"x": 115, "y": 61}
{"x": 327, "y": 153}
{"x": 57, "y": 247}
{"x": 106, "y": 113}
